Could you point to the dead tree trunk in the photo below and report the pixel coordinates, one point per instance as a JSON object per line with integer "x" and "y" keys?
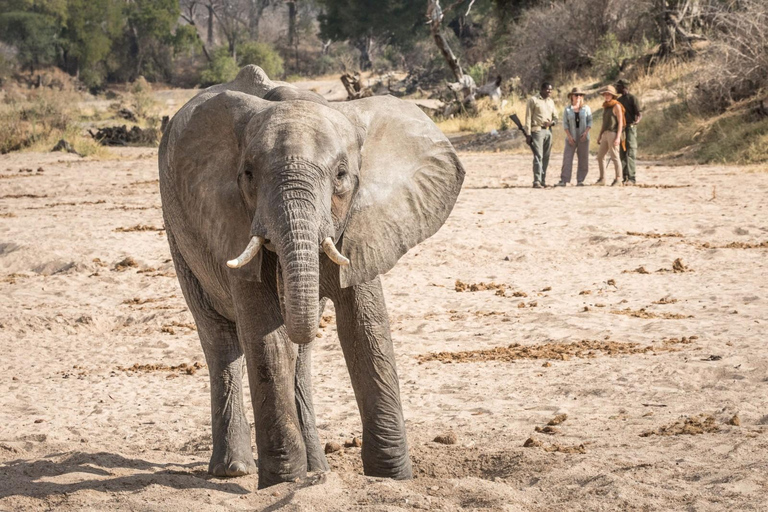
{"x": 210, "y": 24}
{"x": 676, "y": 20}
{"x": 464, "y": 83}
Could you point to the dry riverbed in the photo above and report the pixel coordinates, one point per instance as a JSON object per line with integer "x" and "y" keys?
{"x": 581, "y": 348}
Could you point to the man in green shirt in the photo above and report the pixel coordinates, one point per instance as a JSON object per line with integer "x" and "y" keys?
{"x": 540, "y": 117}
{"x": 633, "y": 110}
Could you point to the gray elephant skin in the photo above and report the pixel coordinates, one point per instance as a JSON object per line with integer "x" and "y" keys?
{"x": 318, "y": 199}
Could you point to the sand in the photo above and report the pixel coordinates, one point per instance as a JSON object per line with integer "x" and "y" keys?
{"x": 104, "y": 399}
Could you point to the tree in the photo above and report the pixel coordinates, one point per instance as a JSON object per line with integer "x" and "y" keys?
{"x": 91, "y": 27}
{"x": 367, "y": 24}
{"x": 34, "y": 35}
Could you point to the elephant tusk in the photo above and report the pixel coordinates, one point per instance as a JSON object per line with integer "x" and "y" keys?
{"x": 248, "y": 254}
{"x": 330, "y": 250}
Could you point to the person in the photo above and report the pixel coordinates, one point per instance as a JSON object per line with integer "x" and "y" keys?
{"x": 610, "y": 134}
{"x": 633, "y": 111}
{"x": 577, "y": 122}
{"x": 540, "y": 117}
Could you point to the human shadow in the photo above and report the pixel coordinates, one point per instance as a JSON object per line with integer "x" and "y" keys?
{"x": 21, "y": 477}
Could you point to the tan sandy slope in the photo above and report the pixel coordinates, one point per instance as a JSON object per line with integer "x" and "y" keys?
{"x": 647, "y": 427}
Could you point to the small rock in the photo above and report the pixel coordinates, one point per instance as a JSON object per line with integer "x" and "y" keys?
{"x": 449, "y": 438}
{"x": 353, "y": 443}
{"x": 531, "y": 443}
{"x": 547, "y": 289}
{"x": 332, "y": 447}
{"x": 125, "y": 264}
{"x": 558, "y": 419}
{"x": 39, "y": 420}
{"x": 547, "y": 364}
{"x": 735, "y": 421}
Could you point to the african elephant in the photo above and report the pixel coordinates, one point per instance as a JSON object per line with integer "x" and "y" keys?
{"x": 318, "y": 199}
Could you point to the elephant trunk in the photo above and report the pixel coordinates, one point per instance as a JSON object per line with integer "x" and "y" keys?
{"x": 297, "y": 246}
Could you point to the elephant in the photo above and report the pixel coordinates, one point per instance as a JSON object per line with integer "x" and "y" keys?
{"x": 318, "y": 199}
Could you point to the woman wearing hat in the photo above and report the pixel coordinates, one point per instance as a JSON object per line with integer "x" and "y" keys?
{"x": 577, "y": 121}
{"x": 610, "y": 134}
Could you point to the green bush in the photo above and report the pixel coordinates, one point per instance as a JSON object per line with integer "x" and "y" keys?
{"x": 222, "y": 68}
{"x": 262, "y": 55}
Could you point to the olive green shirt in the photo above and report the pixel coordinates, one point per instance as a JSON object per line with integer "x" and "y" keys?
{"x": 539, "y": 111}
{"x": 632, "y": 107}
{"x": 610, "y": 121}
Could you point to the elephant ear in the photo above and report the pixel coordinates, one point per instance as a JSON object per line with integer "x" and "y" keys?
{"x": 206, "y": 143}
{"x": 410, "y": 177}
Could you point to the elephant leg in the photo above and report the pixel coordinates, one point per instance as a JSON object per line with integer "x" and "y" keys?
{"x": 363, "y": 325}
{"x": 232, "y": 453}
{"x": 271, "y": 360}
{"x": 316, "y": 460}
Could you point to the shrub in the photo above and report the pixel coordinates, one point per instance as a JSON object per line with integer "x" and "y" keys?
{"x": 736, "y": 63}
{"x": 222, "y": 68}
{"x": 262, "y": 55}
{"x": 144, "y": 104}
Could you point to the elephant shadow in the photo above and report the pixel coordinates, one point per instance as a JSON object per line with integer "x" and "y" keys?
{"x": 23, "y": 477}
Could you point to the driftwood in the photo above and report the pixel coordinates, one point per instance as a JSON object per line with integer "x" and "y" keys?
{"x": 64, "y": 145}
{"x": 122, "y": 136}
{"x": 354, "y": 86}
{"x": 464, "y": 88}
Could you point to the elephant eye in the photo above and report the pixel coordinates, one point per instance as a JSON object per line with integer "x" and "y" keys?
{"x": 341, "y": 174}
{"x": 249, "y": 174}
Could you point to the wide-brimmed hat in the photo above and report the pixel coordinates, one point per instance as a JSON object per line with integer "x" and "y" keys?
{"x": 610, "y": 90}
{"x": 576, "y": 92}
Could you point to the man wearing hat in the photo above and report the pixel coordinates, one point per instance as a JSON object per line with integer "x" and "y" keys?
{"x": 633, "y": 111}
{"x": 540, "y": 117}
{"x": 610, "y": 134}
{"x": 577, "y": 122}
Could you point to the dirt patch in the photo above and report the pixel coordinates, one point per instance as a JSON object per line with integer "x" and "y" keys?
{"x": 655, "y": 235}
{"x": 138, "y": 302}
{"x": 643, "y": 313}
{"x": 145, "y": 182}
{"x": 461, "y": 286}
{"x": 665, "y": 300}
{"x": 585, "y": 349}
{"x": 125, "y": 264}
{"x": 138, "y": 227}
{"x": 735, "y": 245}
{"x": 638, "y": 270}
{"x": 646, "y": 185}
{"x": 23, "y": 196}
{"x": 701, "y": 424}
{"x": 552, "y": 448}
{"x": 12, "y": 278}
{"x": 171, "y": 328}
{"x": 183, "y": 368}
{"x": 7, "y": 215}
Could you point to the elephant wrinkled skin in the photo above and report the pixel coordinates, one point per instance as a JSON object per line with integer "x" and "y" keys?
{"x": 308, "y": 186}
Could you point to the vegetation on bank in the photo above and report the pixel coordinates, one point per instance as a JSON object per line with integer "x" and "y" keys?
{"x": 702, "y": 65}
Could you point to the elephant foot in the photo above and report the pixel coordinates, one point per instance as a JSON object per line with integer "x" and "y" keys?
{"x": 269, "y": 478}
{"x": 395, "y": 472}
{"x": 234, "y": 468}
{"x": 386, "y": 457}
{"x": 232, "y": 464}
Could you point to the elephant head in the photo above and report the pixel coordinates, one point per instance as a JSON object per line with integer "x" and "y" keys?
{"x": 361, "y": 182}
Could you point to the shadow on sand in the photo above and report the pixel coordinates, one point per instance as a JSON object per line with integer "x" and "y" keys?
{"x": 22, "y": 477}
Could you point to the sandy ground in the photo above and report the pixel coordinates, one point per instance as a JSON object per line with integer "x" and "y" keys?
{"x": 669, "y": 358}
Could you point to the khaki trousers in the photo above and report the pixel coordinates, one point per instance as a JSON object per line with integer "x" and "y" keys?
{"x": 607, "y": 148}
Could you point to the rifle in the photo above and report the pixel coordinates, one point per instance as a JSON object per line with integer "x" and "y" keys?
{"x": 519, "y": 125}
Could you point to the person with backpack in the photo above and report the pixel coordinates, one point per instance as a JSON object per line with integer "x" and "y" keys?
{"x": 633, "y": 112}
{"x": 610, "y": 139}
